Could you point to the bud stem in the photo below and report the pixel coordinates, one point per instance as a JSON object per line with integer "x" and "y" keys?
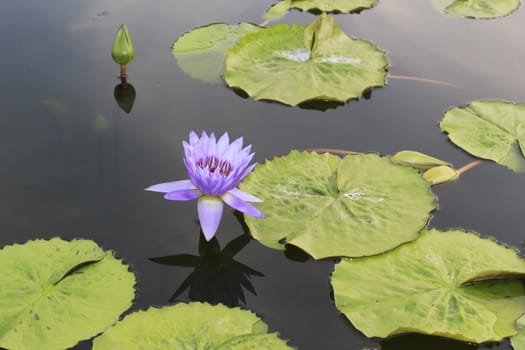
{"x": 469, "y": 166}
{"x": 123, "y": 72}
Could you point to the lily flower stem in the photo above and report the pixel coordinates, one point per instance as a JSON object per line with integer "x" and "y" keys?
{"x": 469, "y": 166}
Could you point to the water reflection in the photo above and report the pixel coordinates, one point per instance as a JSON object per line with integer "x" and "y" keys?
{"x": 428, "y": 342}
{"x": 125, "y": 95}
{"x": 217, "y": 277}
{"x": 324, "y": 105}
{"x": 59, "y": 113}
{"x": 296, "y": 254}
{"x": 320, "y": 105}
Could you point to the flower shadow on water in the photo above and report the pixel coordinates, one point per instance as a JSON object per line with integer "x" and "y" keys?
{"x": 428, "y": 342}
{"x": 217, "y": 277}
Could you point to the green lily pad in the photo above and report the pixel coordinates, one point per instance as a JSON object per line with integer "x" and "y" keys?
{"x": 477, "y": 8}
{"x": 190, "y": 326}
{"x": 200, "y": 53}
{"x": 518, "y": 341}
{"x": 294, "y": 64}
{"x": 344, "y": 6}
{"x": 277, "y": 11}
{"x": 445, "y": 283}
{"x": 491, "y": 130}
{"x": 327, "y": 206}
{"x": 55, "y": 293}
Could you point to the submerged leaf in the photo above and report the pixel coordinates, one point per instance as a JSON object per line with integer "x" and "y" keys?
{"x": 426, "y": 286}
{"x": 56, "y": 107}
{"x": 200, "y": 53}
{"x": 294, "y": 64}
{"x": 100, "y": 123}
{"x": 190, "y": 326}
{"x": 491, "y": 130}
{"x": 477, "y": 8}
{"x": 356, "y": 206}
{"x": 440, "y": 174}
{"x": 417, "y": 160}
{"x": 55, "y": 293}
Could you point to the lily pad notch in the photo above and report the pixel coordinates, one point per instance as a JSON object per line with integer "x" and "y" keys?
{"x": 294, "y": 64}
{"x": 56, "y": 293}
{"x": 452, "y": 284}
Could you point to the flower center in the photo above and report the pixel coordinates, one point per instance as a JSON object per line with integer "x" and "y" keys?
{"x": 212, "y": 163}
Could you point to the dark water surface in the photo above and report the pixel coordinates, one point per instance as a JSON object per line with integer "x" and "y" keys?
{"x": 62, "y": 177}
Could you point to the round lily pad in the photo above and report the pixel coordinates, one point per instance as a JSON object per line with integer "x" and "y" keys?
{"x": 477, "y": 8}
{"x": 200, "y": 53}
{"x": 448, "y": 284}
{"x": 327, "y": 206}
{"x": 191, "y": 326}
{"x": 492, "y": 130}
{"x": 294, "y": 64}
{"x": 55, "y": 293}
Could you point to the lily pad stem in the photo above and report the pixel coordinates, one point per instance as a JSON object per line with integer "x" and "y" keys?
{"x": 423, "y": 80}
{"x": 469, "y": 166}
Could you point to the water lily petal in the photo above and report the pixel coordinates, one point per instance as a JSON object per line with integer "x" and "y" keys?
{"x": 247, "y": 171}
{"x": 210, "y": 213}
{"x": 182, "y": 195}
{"x": 172, "y": 186}
{"x": 242, "y": 206}
{"x": 234, "y": 149}
{"x": 194, "y": 138}
{"x": 188, "y": 149}
{"x": 245, "y": 196}
{"x": 223, "y": 143}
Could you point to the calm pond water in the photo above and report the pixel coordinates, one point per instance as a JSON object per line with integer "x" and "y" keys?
{"x": 61, "y": 177}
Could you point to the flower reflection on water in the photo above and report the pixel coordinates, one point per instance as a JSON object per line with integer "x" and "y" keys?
{"x": 217, "y": 277}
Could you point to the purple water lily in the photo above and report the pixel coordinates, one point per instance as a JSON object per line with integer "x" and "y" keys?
{"x": 215, "y": 169}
